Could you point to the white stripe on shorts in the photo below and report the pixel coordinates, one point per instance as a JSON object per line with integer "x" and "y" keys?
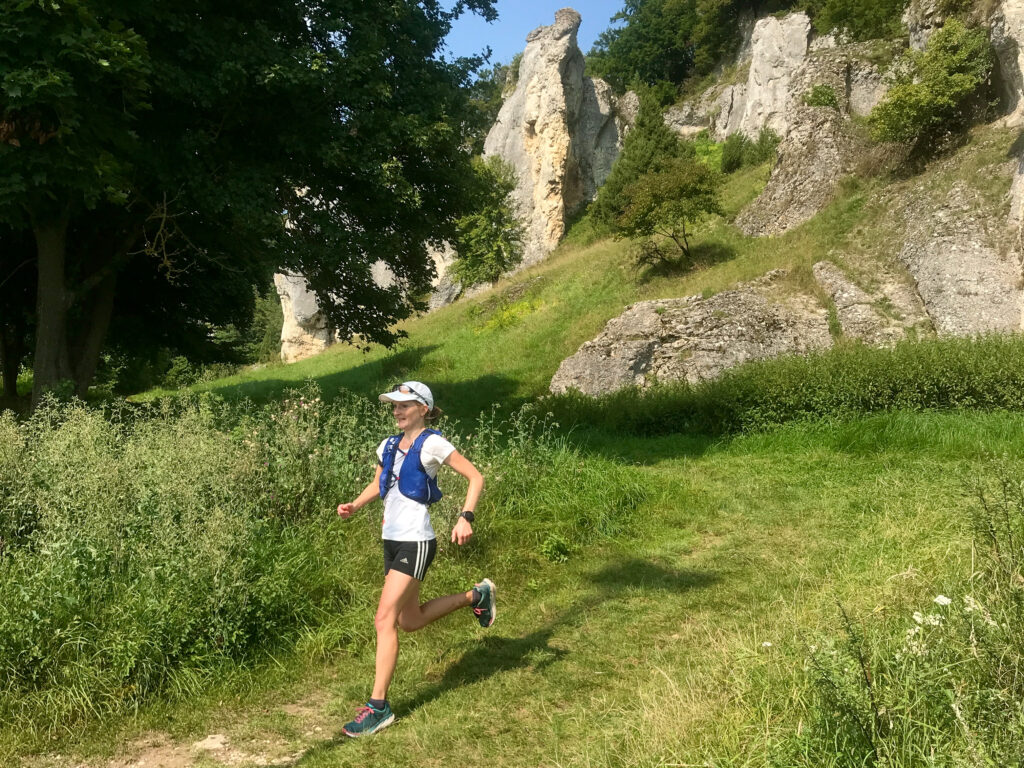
{"x": 420, "y": 557}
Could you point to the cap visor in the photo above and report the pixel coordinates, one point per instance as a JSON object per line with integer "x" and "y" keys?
{"x": 398, "y": 397}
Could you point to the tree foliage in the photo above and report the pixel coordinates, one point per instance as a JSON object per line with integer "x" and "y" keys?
{"x": 669, "y": 41}
{"x": 169, "y": 141}
{"x": 663, "y": 203}
{"x": 648, "y": 147}
{"x": 489, "y": 240}
{"x": 936, "y": 92}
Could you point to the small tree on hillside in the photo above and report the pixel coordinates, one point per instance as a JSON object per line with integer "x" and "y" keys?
{"x": 662, "y": 204}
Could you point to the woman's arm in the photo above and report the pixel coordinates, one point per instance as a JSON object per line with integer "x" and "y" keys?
{"x": 370, "y": 492}
{"x": 463, "y": 530}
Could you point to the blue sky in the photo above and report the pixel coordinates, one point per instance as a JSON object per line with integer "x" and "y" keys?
{"x": 517, "y": 18}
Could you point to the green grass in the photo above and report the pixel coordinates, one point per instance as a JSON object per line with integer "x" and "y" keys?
{"x": 646, "y": 648}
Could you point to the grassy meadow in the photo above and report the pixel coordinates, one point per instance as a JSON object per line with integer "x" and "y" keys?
{"x": 738, "y": 574}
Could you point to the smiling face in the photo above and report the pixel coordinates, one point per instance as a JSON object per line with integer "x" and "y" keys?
{"x": 410, "y": 415}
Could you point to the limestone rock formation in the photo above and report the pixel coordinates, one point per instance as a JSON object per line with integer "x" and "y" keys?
{"x": 856, "y": 309}
{"x": 695, "y": 338}
{"x": 779, "y": 47}
{"x": 304, "y": 332}
{"x": 1006, "y": 30}
{"x": 817, "y": 152}
{"x": 923, "y": 17}
{"x": 969, "y": 283}
{"x": 559, "y": 130}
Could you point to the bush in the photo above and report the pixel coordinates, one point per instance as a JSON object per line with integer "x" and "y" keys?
{"x": 858, "y": 19}
{"x": 821, "y": 96}
{"x": 937, "y": 93}
{"x": 489, "y": 240}
{"x": 986, "y": 373}
{"x": 734, "y": 150}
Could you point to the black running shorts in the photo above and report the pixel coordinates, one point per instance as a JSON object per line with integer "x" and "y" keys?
{"x": 409, "y": 557}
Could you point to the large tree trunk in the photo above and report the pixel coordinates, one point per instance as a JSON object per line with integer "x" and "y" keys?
{"x": 51, "y": 364}
{"x": 86, "y": 354}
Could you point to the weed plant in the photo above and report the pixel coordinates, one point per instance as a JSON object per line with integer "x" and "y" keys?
{"x": 143, "y": 551}
{"x": 849, "y": 380}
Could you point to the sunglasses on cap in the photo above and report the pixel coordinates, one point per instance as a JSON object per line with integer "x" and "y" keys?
{"x": 405, "y": 389}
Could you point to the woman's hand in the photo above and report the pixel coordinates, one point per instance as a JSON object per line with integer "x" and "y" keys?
{"x": 462, "y": 531}
{"x": 346, "y": 510}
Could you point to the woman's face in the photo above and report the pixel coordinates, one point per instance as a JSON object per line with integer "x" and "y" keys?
{"x": 409, "y": 415}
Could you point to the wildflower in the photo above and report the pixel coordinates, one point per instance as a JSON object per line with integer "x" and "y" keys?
{"x": 942, "y": 600}
{"x": 918, "y": 617}
{"x": 766, "y": 644}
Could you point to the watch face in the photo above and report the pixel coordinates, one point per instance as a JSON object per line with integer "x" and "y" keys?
{"x": 468, "y": 516}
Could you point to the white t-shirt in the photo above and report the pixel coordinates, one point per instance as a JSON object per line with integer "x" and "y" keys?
{"x": 405, "y": 519}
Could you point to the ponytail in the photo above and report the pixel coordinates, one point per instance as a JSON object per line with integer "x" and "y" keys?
{"x": 434, "y": 414}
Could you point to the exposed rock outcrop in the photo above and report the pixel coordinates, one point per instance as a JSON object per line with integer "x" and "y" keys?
{"x": 304, "y": 332}
{"x": 1006, "y": 30}
{"x": 967, "y": 281}
{"x": 779, "y": 48}
{"x": 923, "y": 17}
{"x": 817, "y": 152}
{"x": 856, "y": 310}
{"x": 695, "y": 338}
{"x": 559, "y": 130}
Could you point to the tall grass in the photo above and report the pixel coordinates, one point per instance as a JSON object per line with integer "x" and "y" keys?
{"x": 940, "y": 685}
{"x": 143, "y": 552}
{"x": 850, "y": 380}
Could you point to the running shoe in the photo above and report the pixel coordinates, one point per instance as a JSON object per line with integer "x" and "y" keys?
{"x": 369, "y": 720}
{"x": 486, "y": 610}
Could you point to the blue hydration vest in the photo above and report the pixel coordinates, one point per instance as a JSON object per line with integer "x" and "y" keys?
{"x": 413, "y": 482}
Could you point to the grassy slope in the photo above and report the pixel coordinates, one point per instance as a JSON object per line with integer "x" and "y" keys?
{"x": 647, "y": 649}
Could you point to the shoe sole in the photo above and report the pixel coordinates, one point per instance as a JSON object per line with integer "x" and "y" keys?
{"x": 491, "y": 602}
{"x": 383, "y": 724}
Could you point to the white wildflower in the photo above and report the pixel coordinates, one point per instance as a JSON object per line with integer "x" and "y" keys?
{"x": 933, "y": 619}
{"x": 942, "y": 600}
{"x": 918, "y": 617}
{"x": 766, "y": 644}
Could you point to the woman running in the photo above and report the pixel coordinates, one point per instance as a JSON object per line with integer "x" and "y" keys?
{"x": 407, "y": 481}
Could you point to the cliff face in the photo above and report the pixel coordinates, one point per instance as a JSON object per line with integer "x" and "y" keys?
{"x": 559, "y": 130}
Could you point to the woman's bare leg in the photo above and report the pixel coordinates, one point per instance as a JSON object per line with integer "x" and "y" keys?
{"x": 415, "y": 616}
{"x": 399, "y": 591}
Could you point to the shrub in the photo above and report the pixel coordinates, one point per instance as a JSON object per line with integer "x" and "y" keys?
{"x": 733, "y": 152}
{"x": 821, "y": 96}
{"x": 141, "y": 553}
{"x": 764, "y": 149}
{"x": 937, "y": 92}
{"x": 648, "y": 148}
{"x": 858, "y": 19}
{"x": 664, "y": 203}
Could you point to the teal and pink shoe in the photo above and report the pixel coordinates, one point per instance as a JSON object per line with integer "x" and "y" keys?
{"x": 369, "y": 720}
{"x": 486, "y": 609}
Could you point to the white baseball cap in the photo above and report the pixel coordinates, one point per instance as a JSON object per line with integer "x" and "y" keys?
{"x": 409, "y": 391}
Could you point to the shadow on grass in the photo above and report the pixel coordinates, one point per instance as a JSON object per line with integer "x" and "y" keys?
{"x": 459, "y": 399}
{"x": 535, "y": 651}
{"x": 702, "y": 255}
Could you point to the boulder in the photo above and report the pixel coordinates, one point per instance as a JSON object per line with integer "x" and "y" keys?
{"x": 695, "y": 338}
{"x": 559, "y": 130}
